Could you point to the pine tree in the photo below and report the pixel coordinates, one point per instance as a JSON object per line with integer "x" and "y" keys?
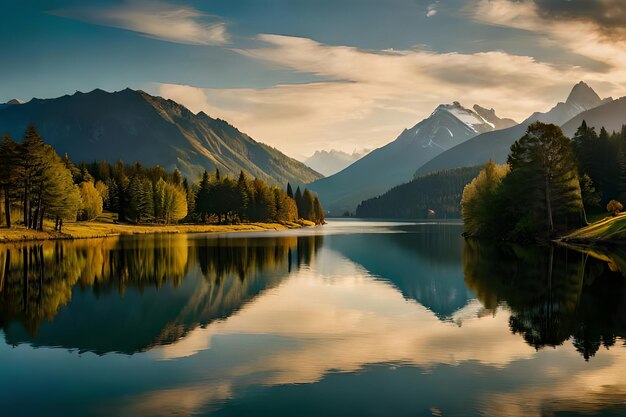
{"x": 318, "y": 211}
{"x": 31, "y": 166}
{"x": 307, "y": 205}
{"x": 544, "y": 179}
{"x": 243, "y": 194}
{"x": 298, "y": 198}
{"x": 203, "y": 197}
{"x": 289, "y": 191}
{"x": 9, "y": 173}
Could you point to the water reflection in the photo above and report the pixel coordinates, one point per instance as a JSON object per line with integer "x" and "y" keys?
{"x": 130, "y": 293}
{"x": 553, "y": 293}
{"x": 388, "y": 320}
{"x": 423, "y": 262}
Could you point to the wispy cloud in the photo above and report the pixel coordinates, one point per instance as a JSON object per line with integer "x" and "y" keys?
{"x": 369, "y": 96}
{"x": 597, "y": 31}
{"x": 157, "y": 20}
{"x": 431, "y": 10}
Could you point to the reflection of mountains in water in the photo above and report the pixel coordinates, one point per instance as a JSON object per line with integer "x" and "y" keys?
{"x": 423, "y": 262}
{"x": 553, "y": 293}
{"x": 131, "y": 293}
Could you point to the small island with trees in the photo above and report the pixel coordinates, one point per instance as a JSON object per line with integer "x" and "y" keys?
{"x": 47, "y": 196}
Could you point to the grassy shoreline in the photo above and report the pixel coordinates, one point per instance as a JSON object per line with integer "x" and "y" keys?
{"x": 106, "y": 228}
{"x": 608, "y": 231}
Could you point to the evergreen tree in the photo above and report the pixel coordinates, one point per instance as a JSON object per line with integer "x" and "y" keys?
{"x": 203, "y": 197}
{"x": 318, "y": 211}
{"x": 289, "y": 191}
{"x": 543, "y": 185}
{"x": 298, "y": 198}
{"x": 31, "y": 164}
{"x": 243, "y": 193}
{"x": 9, "y": 173}
{"x": 308, "y": 201}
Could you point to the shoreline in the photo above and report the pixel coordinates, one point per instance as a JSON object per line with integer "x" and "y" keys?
{"x": 98, "y": 229}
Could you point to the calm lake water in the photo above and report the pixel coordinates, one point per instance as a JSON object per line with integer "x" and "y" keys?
{"x": 350, "y": 319}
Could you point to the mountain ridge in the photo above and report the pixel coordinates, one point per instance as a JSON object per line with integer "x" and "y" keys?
{"x": 329, "y": 162}
{"x": 395, "y": 163}
{"x": 132, "y": 125}
{"x": 495, "y": 145}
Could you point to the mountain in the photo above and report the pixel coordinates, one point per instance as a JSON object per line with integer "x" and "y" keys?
{"x": 611, "y": 116}
{"x": 396, "y": 162}
{"x": 436, "y": 195}
{"x": 333, "y": 161}
{"x": 134, "y": 126}
{"x": 496, "y": 145}
{"x": 490, "y": 116}
{"x": 12, "y": 102}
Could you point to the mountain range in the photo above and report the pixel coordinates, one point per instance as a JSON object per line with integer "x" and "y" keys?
{"x": 496, "y": 145}
{"x": 131, "y": 125}
{"x": 330, "y": 162}
{"x": 448, "y": 126}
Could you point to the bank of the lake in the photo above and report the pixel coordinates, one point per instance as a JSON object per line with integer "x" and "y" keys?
{"x": 611, "y": 230}
{"x": 105, "y": 227}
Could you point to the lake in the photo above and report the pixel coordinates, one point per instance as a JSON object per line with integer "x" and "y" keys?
{"x": 354, "y": 318}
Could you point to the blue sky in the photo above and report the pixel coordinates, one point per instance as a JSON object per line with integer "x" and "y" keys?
{"x": 306, "y": 75}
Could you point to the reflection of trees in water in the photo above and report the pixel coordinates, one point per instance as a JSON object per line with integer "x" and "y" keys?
{"x": 220, "y": 257}
{"x": 37, "y": 280}
{"x": 553, "y": 293}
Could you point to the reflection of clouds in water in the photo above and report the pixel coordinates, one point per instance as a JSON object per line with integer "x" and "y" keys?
{"x": 576, "y": 388}
{"x": 339, "y": 322}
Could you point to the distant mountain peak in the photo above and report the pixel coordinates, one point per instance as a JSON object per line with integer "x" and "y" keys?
{"x": 584, "y": 96}
{"x": 14, "y": 101}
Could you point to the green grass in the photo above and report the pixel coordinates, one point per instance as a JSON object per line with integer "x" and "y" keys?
{"x": 609, "y": 229}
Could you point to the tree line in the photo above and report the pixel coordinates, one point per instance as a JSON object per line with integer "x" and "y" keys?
{"x": 548, "y": 184}
{"x": 435, "y": 195}
{"x": 38, "y": 184}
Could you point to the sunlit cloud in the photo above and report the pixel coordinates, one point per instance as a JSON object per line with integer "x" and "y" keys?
{"x": 431, "y": 10}
{"x": 370, "y": 96}
{"x": 155, "y": 19}
{"x": 599, "y": 28}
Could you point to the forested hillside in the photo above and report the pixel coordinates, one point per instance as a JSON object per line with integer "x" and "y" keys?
{"x": 37, "y": 184}
{"x": 436, "y": 195}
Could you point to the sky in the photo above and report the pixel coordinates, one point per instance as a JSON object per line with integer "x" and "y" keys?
{"x": 325, "y": 74}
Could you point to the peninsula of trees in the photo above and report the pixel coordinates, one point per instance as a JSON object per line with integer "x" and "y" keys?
{"x": 548, "y": 184}
{"x": 38, "y": 184}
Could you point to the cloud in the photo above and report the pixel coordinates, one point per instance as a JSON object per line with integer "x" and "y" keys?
{"x": 595, "y": 29}
{"x": 369, "y": 96}
{"x": 431, "y": 10}
{"x": 608, "y": 14}
{"x": 157, "y": 20}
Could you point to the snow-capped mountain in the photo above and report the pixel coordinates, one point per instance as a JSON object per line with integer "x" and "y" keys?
{"x": 396, "y": 162}
{"x": 495, "y": 146}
